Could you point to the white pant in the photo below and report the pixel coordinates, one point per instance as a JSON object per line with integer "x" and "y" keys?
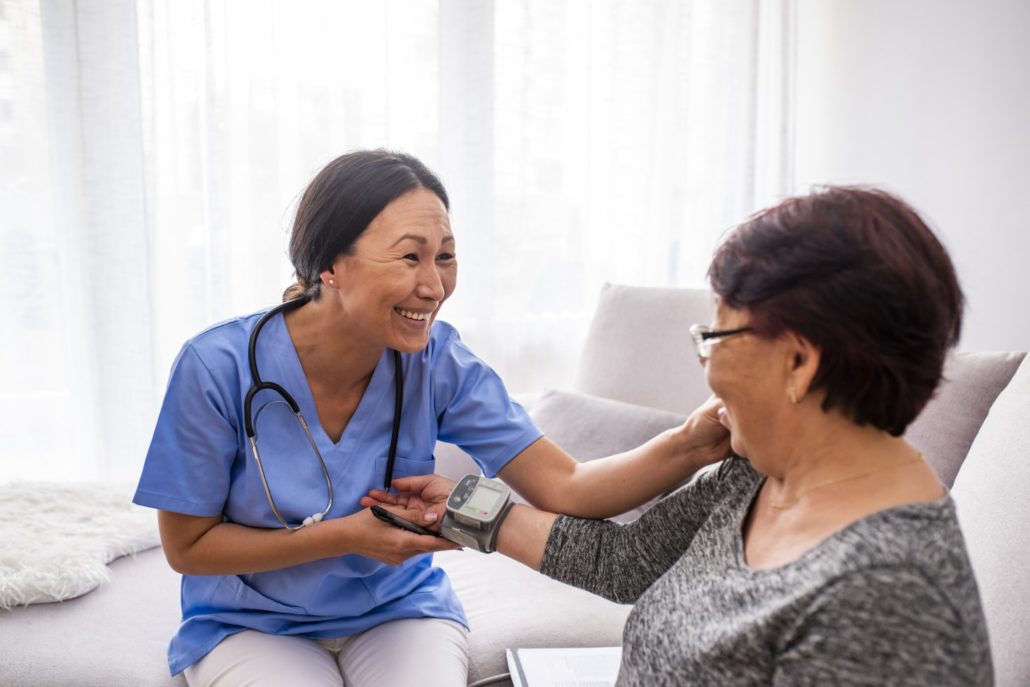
{"x": 422, "y": 652}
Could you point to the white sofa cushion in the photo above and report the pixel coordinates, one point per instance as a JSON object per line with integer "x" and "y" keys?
{"x": 115, "y": 635}
{"x": 991, "y": 496}
{"x": 118, "y": 634}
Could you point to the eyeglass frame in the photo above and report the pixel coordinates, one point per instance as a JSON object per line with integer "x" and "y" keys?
{"x": 704, "y": 336}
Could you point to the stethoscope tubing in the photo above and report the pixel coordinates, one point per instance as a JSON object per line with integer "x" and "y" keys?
{"x": 259, "y": 385}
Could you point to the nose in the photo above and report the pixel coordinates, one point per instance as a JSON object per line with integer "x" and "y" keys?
{"x": 430, "y": 283}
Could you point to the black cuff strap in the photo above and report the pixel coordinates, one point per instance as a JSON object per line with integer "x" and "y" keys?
{"x": 497, "y": 526}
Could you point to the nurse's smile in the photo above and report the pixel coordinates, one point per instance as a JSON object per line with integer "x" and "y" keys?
{"x": 417, "y": 320}
{"x": 413, "y": 315}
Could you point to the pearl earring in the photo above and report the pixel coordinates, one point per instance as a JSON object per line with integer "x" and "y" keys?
{"x": 331, "y": 282}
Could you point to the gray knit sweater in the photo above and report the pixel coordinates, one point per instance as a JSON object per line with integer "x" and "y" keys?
{"x": 888, "y": 600}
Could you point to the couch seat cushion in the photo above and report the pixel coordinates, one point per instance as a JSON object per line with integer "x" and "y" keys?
{"x": 116, "y": 634}
{"x": 509, "y": 605}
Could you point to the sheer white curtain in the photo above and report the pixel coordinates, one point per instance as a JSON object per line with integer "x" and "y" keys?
{"x": 151, "y": 153}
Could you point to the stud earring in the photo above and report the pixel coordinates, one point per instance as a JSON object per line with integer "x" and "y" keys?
{"x": 331, "y": 282}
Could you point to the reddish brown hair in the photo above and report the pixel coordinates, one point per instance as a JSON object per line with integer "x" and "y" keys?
{"x": 856, "y": 272}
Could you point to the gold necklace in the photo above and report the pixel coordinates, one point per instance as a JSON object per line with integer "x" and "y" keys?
{"x": 784, "y": 505}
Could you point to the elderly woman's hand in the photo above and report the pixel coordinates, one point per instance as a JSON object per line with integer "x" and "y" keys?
{"x": 705, "y": 435}
{"x": 424, "y": 497}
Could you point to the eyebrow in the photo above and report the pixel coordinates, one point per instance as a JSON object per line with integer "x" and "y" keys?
{"x": 422, "y": 239}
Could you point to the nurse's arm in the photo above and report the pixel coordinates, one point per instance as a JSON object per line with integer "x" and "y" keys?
{"x": 552, "y": 480}
{"x": 209, "y": 546}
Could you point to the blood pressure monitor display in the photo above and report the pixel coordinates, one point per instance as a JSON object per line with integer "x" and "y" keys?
{"x": 475, "y": 509}
{"x": 476, "y": 501}
{"x": 482, "y": 500}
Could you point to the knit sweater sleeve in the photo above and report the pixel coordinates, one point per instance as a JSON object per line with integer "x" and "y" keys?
{"x": 620, "y": 561}
{"x": 919, "y": 636}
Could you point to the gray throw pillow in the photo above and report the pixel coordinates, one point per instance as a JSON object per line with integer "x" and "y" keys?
{"x": 945, "y": 429}
{"x": 590, "y": 427}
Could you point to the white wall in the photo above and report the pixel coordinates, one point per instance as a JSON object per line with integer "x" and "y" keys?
{"x": 930, "y": 99}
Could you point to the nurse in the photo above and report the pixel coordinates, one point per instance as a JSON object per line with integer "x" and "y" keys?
{"x": 287, "y": 579}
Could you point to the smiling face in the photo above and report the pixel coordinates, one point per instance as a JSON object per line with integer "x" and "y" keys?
{"x": 752, "y": 377}
{"x": 400, "y": 271}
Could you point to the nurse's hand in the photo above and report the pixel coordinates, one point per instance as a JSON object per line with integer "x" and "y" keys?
{"x": 706, "y": 433}
{"x": 423, "y": 498}
{"x": 372, "y": 538}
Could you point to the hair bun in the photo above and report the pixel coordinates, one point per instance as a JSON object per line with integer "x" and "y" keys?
{"x": 294, "y": 290}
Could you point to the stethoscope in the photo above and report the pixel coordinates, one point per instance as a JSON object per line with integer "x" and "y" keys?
{"x": 287, "y": 399}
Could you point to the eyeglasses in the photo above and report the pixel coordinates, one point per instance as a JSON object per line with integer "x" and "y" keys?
{"x": 704, "y": 337}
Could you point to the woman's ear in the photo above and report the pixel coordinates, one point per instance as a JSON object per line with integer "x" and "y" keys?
{"x": 331, "y": 275}
{"x": 802, "y": 365}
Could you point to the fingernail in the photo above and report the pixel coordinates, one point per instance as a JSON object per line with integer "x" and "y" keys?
{"x": 430, "y": 517}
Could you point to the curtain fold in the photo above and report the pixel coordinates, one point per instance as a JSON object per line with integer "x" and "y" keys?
{"x": 153, "y": 152}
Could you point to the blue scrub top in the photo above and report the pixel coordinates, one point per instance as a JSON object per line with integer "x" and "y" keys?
{"x": 199, "y": 463}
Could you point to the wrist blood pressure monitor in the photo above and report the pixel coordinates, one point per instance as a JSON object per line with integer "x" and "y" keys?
{"x": 475, "y": 510}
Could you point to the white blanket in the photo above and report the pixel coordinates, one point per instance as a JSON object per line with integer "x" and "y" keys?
{"x": 56, "y": 539}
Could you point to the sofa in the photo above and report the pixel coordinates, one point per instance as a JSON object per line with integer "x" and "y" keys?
{"x": 636, "y": 376}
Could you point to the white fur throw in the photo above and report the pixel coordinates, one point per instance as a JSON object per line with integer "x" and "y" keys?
{"x": 56, "y": 539}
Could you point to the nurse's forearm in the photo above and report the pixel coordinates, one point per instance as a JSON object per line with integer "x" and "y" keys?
{"x": 231, "y": 549}
{"x": 613, "y": 485}
{"x": 199, "y": 546}
{"x": 550, "y": 479}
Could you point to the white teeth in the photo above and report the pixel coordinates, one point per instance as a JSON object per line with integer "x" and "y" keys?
{"x": 413, "y": 315}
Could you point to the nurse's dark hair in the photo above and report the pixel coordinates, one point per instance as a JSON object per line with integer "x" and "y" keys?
{"x": 857, "y": 273}
{"x": 339, "y": 204}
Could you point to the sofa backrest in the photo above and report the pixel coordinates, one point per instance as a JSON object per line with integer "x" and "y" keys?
{"x": 991, "y": 499}
{"x": 638, "y": 351}
{"x": 638, "y": 348}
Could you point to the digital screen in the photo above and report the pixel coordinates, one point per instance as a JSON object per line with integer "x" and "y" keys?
{"x": 483, "y": 499}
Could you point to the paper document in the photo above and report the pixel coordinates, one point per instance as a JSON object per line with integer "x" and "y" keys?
{"x": 595, "y": 667}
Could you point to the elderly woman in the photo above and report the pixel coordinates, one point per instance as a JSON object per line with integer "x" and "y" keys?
{"x": 276, "y": 423}
{"x": 825, "y": 550}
